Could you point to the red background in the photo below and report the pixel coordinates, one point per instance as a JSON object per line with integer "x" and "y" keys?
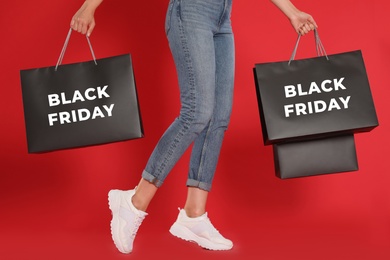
{"x": 54, "y": 205}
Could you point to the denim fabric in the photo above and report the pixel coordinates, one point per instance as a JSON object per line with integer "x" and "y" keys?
{"x": 202, "y": 44}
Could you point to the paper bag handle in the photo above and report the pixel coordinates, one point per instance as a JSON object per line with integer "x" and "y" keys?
{"x": 66, "y": 45}
{"x": 319, "y": 47}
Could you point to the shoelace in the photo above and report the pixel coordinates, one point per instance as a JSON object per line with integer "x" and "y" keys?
{"x": 138, "y": 222}
{"x": 213, "y": 229}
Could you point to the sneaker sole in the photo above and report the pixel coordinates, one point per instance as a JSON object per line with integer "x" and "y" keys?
{"x": 184, "y": 233}
{"x": 114, "y": 202}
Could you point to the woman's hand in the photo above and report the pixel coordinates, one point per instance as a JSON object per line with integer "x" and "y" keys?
{"x": 303, "y": 23}
{"x": 83, "y": 21}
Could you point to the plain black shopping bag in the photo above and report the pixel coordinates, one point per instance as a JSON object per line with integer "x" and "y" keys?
{"x": 80, "y": 104}
{"x": 315, "y": 97}
{"x": 334, "y": 154}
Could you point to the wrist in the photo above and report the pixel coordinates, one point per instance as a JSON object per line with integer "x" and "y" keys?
{"x": 289, "y": 10}
{"x": 92, "y": 4}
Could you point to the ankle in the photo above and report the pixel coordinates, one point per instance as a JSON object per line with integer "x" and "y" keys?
{"x": 138, "y": 203}
{"x": 194, "y": 212}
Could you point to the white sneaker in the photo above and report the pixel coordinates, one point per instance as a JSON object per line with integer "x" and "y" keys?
{"x": 199, "y": 230}
{"x": 126, "y": 219}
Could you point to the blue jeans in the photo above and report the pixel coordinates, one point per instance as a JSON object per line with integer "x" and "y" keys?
{"x": 202, "y": 44}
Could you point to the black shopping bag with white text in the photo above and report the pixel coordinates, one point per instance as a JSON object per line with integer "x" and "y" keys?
{"x": 315, "y": 97}
{"x": 80, "y": 104}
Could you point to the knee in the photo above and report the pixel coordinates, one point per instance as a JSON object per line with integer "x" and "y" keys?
{"x": 196, "y": 121}
{"x": 220, "y": 124}
{"x": 201, "y": 120}
{"x": 221, "y": 119}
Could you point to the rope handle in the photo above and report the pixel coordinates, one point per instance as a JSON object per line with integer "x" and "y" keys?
{"x": 66, "y": 45}
{"x": 319, "y": 47}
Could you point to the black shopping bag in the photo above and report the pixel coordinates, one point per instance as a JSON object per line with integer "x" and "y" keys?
{"x": 80, "y": 104}
{"x": 315, "y": 97}
{"x": 315, "y": 157}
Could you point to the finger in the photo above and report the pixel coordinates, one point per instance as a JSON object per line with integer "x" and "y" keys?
{"x": 75, "y": 26}
{"x": 84, "y": 28}
{"x": 307, "y": 27}
{"x": 79, "y": 26}
{"x": 303, "y": 30}
{"x": 73, "y": 23}
{"x": 311, "y": 20}
{"x": 90, "y": 29}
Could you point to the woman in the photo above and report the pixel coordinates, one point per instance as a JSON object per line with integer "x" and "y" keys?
{"x": 201, "y": 41}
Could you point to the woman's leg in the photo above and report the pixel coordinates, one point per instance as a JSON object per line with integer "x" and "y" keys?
{"x": 192, "y": 222}
{"x": 192, "y": 45}
{"x": 207, "y": 146}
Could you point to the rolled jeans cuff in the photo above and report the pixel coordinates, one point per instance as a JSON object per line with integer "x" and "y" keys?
{"x": 152, "y": 179}
{"x": 199, "y": 184}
